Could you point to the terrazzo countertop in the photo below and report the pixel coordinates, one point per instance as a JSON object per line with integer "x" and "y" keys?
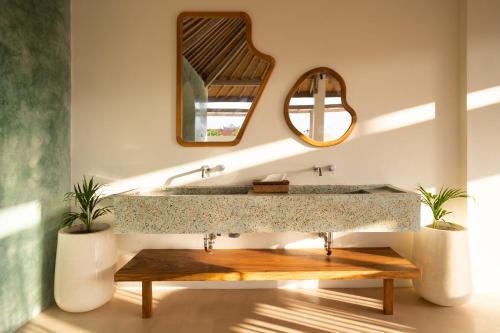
{"x": 236, "y": 209}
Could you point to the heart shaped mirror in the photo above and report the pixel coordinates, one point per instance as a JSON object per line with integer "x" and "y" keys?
{"x": 316, "y": 108}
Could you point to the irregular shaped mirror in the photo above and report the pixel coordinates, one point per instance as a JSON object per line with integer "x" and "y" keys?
{"x": 316, "y": 108}
{"x": 220, "y": 77}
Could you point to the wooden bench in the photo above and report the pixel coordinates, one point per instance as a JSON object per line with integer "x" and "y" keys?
{"x": 258, "y": 265}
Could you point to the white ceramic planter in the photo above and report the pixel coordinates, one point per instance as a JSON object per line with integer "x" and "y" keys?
{"x": 85, "y": 265}
{"x": 443, "y": 259}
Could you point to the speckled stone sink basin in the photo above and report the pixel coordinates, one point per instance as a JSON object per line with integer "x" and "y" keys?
{"x": 205, "y": 190}
{"x": 236, "y": 209}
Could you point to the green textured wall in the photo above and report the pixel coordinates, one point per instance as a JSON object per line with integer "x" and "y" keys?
{"x": 34, "y": 151}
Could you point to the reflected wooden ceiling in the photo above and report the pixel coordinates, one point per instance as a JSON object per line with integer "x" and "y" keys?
{"x": 218, "y": 50}
{"x": 310, "y": 85}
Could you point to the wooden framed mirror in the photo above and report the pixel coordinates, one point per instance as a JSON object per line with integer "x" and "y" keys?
{"x": 220, "y": 77}
{"x": 316, "y": 108}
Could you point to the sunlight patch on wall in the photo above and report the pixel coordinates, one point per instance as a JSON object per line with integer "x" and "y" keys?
{"x": 398, "y": 119}
{"x": 234, "y": 161}
{"x": 482, "y": 98}
{"x": 484, "y": 228}
{"x": 249, "y": 157}
{"x": 246, "y": 158}
{"x": 19, "y": 217}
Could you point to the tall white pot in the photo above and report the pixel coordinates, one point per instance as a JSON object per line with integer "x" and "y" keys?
{"x": 443, "y": 259}
{"x": 84, "y": 268}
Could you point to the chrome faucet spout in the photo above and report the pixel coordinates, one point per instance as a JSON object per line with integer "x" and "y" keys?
{"x": 206, "y": 170}
{"x": 318, "y": 170}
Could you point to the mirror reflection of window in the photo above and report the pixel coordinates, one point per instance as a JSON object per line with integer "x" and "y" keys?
{"x": 222, "y": 76}
{"x": 316, "y": 110}
{"x": 225, "y": 118}
{"x": 336, "y": 124}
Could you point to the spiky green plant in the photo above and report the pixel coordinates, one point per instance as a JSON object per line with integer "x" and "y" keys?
{"x": 86, "y": 197}
{"x": 437, "y": 201}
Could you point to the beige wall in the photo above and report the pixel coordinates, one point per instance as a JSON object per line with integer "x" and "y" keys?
{"x": 398, "y": 58}
{"x": 483, "y": 137}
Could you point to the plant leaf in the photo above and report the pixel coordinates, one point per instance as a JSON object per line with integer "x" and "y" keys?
{"x": 86, "y": 197}
{"x": 437, "y": 201}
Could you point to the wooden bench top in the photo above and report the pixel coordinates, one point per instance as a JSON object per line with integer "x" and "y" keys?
{"x": 253, "y": 265}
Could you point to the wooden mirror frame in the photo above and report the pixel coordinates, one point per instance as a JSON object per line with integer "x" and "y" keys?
{"x": 266, "y": 57}
{"x": 347, "y": 107}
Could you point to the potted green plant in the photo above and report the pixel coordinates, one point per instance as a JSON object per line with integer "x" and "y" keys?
{"x": 441, "y": 252}
{"x": 86, "y": 252}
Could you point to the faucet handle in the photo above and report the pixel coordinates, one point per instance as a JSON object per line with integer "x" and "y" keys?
{"x": 219, "y": 167}
{"x": 332, "y": 167}
{"x": 204, "y": 171}
{"x": 317, "y": 169}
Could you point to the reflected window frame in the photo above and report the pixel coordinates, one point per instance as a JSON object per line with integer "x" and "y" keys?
{"x": 179, "y": 98}
{"x": 343, "y": 98}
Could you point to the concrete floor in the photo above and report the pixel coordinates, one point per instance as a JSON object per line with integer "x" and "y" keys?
{"x": 273, "y": 311}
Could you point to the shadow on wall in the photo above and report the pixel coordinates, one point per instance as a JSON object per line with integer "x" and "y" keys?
{"x": 484, "y": 118}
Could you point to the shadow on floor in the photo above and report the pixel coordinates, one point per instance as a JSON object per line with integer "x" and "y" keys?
{"x": 258, "y": 311}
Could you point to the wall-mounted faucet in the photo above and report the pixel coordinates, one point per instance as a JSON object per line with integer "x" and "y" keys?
{"x": 328, "y": 240}
{"x": 205, "y": 170}
{"x": 319, "y": 169}
{"x": 209, "y": 241}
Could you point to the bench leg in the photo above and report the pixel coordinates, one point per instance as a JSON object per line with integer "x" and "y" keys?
{"x": 147, "y": 299}
{"x": 388, "y": 296}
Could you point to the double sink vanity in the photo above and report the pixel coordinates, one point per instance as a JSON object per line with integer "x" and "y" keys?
{"x": 237, "y": 209}
{"x": 220, "y": 79}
